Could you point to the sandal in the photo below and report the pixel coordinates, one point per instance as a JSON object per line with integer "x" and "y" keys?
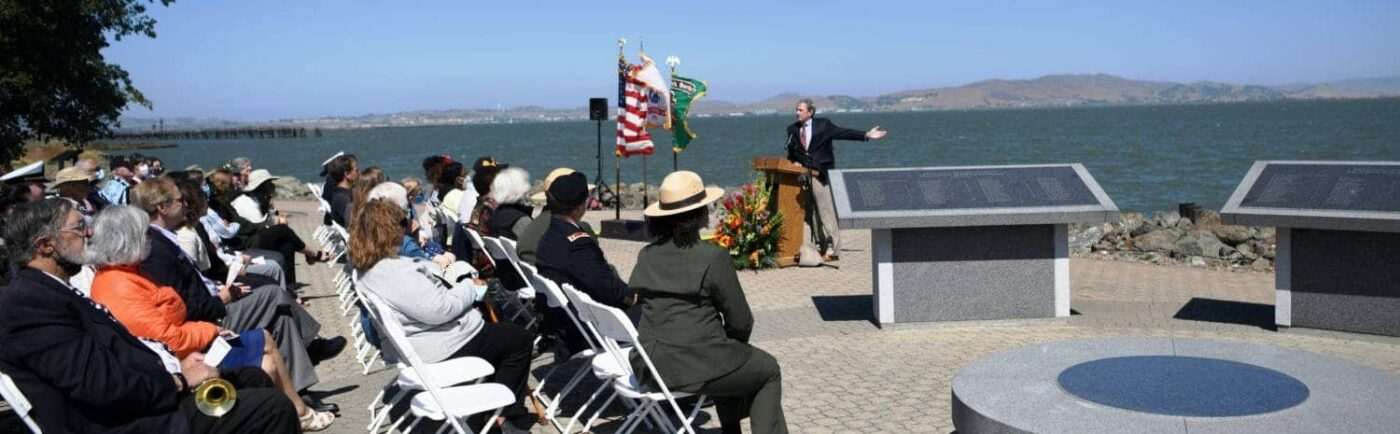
{"x": 316, "y": 421}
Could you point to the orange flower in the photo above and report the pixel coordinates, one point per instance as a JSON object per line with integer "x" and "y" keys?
{"x": 753, "y": 258}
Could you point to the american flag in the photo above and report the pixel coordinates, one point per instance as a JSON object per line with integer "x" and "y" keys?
{"x": 632, "y": 136}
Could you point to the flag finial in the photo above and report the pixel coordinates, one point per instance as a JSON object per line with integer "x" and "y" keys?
{"x": 672, "y": 61}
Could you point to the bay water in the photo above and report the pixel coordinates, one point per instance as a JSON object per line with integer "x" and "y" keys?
{"x": 1145, "y": 157}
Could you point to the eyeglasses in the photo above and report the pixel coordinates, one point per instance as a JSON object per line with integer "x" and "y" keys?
{"x": 81, "y": 229}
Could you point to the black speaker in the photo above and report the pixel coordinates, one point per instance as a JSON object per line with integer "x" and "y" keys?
{"x": 597, "y": 109}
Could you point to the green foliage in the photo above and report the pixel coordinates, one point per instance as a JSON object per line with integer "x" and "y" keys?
{"x": 749, "y": 229}
{"x": 54, "y": 82}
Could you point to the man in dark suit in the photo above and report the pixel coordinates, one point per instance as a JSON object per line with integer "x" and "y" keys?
{"x": 82, "y": 371}
{"x": 809, "y": 144}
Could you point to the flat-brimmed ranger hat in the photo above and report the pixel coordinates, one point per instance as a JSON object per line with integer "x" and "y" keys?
{"x": 682, "y": 191}
{"x": 257, "y": 178}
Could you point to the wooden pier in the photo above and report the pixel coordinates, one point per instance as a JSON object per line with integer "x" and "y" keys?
{"x": 222, "y": 134}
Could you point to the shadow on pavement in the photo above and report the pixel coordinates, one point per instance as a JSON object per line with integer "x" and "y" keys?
{"x": 845, "y": 308}
{"x": 1228, "y": 312}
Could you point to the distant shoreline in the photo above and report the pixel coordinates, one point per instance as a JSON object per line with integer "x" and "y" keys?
{"x": 582, "y": 115}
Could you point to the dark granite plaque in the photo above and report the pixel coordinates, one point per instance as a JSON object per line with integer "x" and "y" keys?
{"x": 1183, "y": 386}
{"x": 938, "y": 189}
{"x": 1340, "y": 187}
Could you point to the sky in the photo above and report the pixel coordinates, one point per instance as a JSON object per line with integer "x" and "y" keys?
{"x": 265, "y": 60}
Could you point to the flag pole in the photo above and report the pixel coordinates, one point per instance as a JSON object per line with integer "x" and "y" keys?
{"x": 617, "y": 159}
{"x": 672, "y": 61}
{"x": 642, "y": 52}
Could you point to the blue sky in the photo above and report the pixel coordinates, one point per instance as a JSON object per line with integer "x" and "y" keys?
{"x": 262, "y": 60}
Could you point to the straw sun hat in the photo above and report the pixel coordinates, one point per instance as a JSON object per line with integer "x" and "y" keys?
{"x": 540, "y": 197}
{"x": 682, "y": 191}
{"x": 257, "y": 178}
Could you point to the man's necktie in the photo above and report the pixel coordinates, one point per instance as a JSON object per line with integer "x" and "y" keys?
{"x": 802, "y": 136}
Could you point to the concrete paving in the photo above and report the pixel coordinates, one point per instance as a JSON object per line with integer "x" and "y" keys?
{"x": 844, "y": 374}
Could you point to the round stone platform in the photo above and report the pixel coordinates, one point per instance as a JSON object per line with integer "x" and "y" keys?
{"x": 1170, "y": 385}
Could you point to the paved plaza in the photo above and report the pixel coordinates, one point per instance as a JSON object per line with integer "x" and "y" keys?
{"x": 844, "y": 374}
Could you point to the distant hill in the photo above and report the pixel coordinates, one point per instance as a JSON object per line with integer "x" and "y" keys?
{"x": 1073, "y": 90}
{"x": 1047, "y": 91}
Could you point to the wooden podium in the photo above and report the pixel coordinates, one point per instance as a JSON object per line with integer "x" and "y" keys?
{"x": 782, "y": 175}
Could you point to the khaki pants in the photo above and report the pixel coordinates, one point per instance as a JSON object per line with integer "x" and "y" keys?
{"x": 826, "y": 239}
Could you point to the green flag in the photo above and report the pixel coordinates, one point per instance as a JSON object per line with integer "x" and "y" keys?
{"x": 683, "y": 92}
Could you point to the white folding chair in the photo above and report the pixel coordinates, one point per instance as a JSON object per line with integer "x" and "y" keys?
{"x": 605, "y": 366}
{"x": 476, "y": 241}
{"x": 522, "y": 295}
{"x": 615, "y": 329}
{"x": 555, "y": 298}
{"x": 451, "y": 404}
{"x": 510, "y": 248}
{"x": 451, "y": 372}
{"x": 18, "y": 402}
{"x": 365, "y": 353}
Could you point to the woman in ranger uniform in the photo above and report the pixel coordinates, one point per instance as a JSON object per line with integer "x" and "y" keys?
{"x": 695, "y": 323}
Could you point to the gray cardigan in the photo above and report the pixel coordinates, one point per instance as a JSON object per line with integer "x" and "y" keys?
{"x": 438, "y": 319}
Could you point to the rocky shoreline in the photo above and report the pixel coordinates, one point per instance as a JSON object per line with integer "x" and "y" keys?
{"x": 1163, "y": 238}
{"x": 1167, "y": 238}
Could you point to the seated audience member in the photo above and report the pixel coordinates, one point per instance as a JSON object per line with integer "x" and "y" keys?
{"x": 82, "y": 371}
{"x": 478, "y": 218}
{"x": 341, "y": 172}
{"x": 512, "y": 214}
{"x": 360, "y": 189}
{"x": 242, "y": 169}
{"x": 432, "y": 170}
{"x": 529, "y": 239}
{"x": 123, "y": 177}
{"x": 234, "y": 306}
{"x": 263, "y": 227}
{"x": 412, "y": 248}
{"x": 568, "y": 254}
{"x": 695, "y": 322}
{"x": 418, "y": 211}
{"x": 116, "y": 248}
{"x": 76, "y": 184}
{"x": 94, "y": 198}
{"x": 450, "y": 190}
{"x": 194, "y": 239}
{"x": 440, "y": 319}
{"x": 482, "y": 205}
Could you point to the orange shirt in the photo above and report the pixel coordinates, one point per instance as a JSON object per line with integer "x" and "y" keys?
{"x": 150, "y": 311}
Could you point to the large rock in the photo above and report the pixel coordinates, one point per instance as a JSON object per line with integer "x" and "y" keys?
{"x": 1133, "y": 224}
{"x": 1266, "y": 234}
{"x": 1207, "y": 218}
{"x": 1200, "y": 243}
{"x": 1165, "y": 219}
{"x": 290, "y": 188}
{"x": 1083, "y": 239}
{"x": 1261, "y": 264}
{"x": 1231, "y": 234}
{"x": 1161, "y": 240}
{"x": 1247, "y": 250}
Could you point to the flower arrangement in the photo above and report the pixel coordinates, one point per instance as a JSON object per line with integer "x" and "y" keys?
{"x": 748, "y": 227}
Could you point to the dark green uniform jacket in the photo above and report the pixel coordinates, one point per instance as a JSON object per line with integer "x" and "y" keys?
{"x": 695, "y": 322}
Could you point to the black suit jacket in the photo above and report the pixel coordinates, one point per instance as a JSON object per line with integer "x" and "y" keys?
{"x": 167, "y": 266}
{"x": 818, "y": 155}
{"x": 83, "y": 372}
